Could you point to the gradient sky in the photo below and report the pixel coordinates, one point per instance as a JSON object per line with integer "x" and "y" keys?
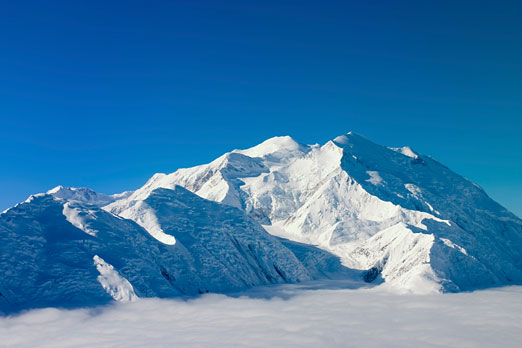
{"x": 104, "y": 94}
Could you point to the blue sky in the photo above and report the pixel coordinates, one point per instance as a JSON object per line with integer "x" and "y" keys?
{"x": 105, "y": 94}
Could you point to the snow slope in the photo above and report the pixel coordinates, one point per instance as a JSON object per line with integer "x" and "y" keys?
{"x": 411, "y": 221}
{"x": 68, "y": 253}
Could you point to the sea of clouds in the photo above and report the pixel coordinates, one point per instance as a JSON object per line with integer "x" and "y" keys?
{"x": 293, "y": 318}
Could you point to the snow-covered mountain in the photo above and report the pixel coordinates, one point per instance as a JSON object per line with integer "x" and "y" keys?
{"x": 70, "y": 253}
{"x": 391, "y": 216}
{"x": 409, "y": 219}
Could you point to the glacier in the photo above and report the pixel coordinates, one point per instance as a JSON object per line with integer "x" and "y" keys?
{"x": 279, "y": 212}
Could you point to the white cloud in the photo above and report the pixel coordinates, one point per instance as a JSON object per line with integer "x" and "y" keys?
{"x": 320, "y": 318}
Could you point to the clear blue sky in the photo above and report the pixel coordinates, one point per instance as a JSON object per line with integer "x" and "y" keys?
{"x": 104, "y": 93}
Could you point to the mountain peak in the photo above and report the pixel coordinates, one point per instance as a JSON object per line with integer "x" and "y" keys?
{"x": 347, "y": 138}
{"x": 55, "y": 189}
{"x": 406, "y": 151}
{"x": 80, "y": 194}
{"x": 273, "y": 145}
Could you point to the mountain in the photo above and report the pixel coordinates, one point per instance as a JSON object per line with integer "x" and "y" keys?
{"x": 61, "y": 249}
{"x": 280, "y": 212}
{"x": 413, "y": 222}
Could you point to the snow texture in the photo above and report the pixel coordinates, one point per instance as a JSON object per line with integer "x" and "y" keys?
{"x": 115, "y": 285}
{"x": 48, "y": 260}
{"x": 79, "y": 217}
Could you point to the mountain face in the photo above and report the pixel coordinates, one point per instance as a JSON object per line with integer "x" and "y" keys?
{"x": 410, "y": 220}
{"x": 71, "y": 253}
{"x": 278, "y": 212}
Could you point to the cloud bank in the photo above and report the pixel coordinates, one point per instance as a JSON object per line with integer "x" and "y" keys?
{"x": 307, "y": 318}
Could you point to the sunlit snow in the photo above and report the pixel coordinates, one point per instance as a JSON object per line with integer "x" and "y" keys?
{"x": 78, "y": 218}
{"x": 113, "y": 283}
{"x": 353, "y": 198}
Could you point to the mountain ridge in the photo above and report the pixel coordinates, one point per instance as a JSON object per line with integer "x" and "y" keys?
{"x": 283, "y": 211}
{"x": 349, "y": 190}
{"x": 50, "y": 259}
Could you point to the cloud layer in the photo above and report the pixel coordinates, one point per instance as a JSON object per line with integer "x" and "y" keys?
{"x": 307, "y": 318}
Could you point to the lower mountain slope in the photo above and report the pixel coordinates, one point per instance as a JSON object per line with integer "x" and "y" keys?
{"x": 68, "y": 253}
